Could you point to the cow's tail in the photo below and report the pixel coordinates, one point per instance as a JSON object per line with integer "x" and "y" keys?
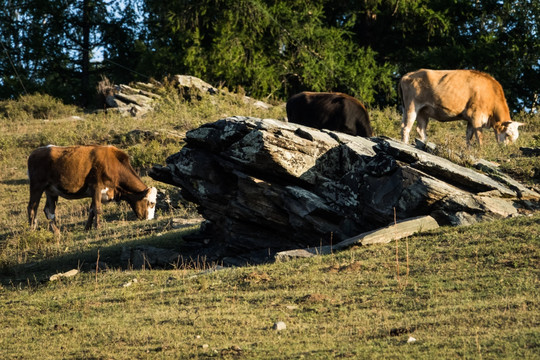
{"x": 400, "y": 96}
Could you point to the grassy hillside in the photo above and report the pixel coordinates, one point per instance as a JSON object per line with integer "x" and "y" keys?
{"x": 470, "y": 292}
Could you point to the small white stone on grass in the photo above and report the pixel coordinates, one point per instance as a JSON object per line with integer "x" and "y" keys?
{"x": 129, "y": 283}
{"x": 67, "y": 274}
{"x": 411, "y": 340}
{"x": 280, "y": 325}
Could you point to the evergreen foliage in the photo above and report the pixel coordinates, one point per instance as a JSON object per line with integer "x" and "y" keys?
{"x": 269, "y": 48}
{"x": 48, "y": 46}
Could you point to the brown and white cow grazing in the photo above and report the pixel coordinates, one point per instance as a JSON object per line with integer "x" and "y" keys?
{"x": 102, "y": 173}
{"x": 332, "y": 111}
{"x": 447, "y": 95}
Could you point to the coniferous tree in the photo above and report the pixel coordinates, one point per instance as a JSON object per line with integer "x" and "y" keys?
{"x": 500, "y": 37}
{"x": 51, "y": 45}
{"x": 268, "y": 47}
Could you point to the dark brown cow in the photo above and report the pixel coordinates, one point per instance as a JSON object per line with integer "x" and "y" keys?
{"x": 448, "y": 95}
{"x": 102, "y": 173}
{"x": 332, "y": 111}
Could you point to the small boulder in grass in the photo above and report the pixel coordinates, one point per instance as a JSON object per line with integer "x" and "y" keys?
{"x": 280, "y": 325}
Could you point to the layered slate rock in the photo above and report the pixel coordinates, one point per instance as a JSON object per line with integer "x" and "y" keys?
{"x": 140, "y": 98}
{"x": 265, "y": 185}
{"x": 135, "y": 100}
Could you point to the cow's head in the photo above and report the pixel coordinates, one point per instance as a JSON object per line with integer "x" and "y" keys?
{"x": 145, "y": 206}
{"x": 509, "y": 132}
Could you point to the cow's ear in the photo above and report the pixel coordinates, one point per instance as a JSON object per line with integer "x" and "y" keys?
{"x": 518, "y": 123}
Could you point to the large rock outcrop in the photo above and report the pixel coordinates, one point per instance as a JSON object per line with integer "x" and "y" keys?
{"x": 267, "y": 185}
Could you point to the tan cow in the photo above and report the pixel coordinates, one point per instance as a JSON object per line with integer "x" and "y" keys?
{"x": 448, "y": 95}
{"x": 102, "y": 173}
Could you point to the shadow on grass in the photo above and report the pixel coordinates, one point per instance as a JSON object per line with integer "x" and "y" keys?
{"x": 106, "y": 257}
{"x": 15, "y": 182}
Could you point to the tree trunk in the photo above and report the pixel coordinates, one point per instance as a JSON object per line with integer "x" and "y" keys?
{"x": 85, "y": 54}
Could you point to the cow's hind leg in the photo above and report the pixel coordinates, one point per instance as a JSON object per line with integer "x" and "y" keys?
{"x": 95, "y": 211}
{"x": 409, "y": 116}
{"x": 91, "y": 215}
{"x": 421, "y": 125}
{"x": 33, "y": 204}
{"x": 50, "y": 212}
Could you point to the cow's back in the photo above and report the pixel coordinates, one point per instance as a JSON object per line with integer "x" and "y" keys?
{"x": 302, "y": 110}
{"x": 456, "y": 91}
{"x": 332, "y": 111}
{"x": 70, "y": 168}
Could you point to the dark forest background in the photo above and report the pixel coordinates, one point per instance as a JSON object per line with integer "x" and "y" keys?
{"x": 267, "y": 48}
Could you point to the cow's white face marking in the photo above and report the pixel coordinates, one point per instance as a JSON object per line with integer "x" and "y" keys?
{"x": 512, "y": 132}
{"x": 151, "y": 197}
{"x": 104, "y": 196}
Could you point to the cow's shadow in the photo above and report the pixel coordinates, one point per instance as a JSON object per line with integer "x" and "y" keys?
{"x": 99, "y": 259}
{"x": 15, "y": 182}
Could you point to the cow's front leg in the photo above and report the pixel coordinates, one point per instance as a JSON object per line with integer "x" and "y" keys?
{"x": 50, "y": 212}
{"x": 476, "y": 132}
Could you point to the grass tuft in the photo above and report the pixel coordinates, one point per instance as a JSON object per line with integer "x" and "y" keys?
{"x": 36, "y": 106}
